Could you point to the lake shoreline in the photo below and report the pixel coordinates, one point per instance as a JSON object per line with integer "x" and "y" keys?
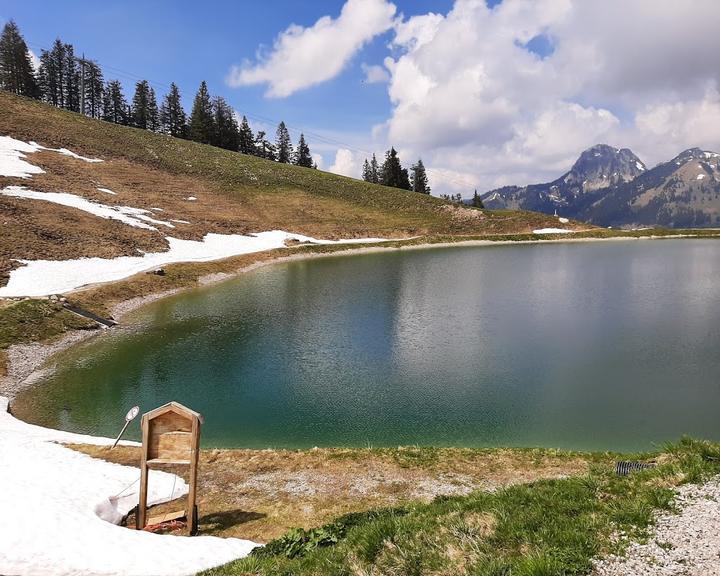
{"x": 28, "y": 363}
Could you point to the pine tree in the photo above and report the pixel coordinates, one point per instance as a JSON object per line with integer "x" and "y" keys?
{"x": 115, "y": 107}
{"x": 52, "y": 75}
{"x": 366, "y": 172}
{"x": 419, "y": 181}
{"x": 201, "y": 126}
{"x": 263, "y": 147}
{"x": 246, "y": 143}
{"x": 143, "y": 106}
{"x": 374, "y": 170}
{"x": 477, "y": 201}
{"x": 92, "y": 84}
{"x": 172, "y": 116}
{"x": 16, "y": 70}
{"x": 405, "y": 179}
{"x": 227, "y": 133}
{"x": 283, "y": 144}
{"x": 71, "y": 80}
{"x": 391, "y": 172}
{"x": 302, "y": 154}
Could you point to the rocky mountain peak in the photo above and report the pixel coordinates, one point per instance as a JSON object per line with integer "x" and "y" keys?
{"x": 602, "y": 165}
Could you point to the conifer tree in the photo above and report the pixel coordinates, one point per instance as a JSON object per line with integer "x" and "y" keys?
{"x": 366, "y": 172}
{"x": 153, "y": 112}
{"x": 92, "y": 84}
{"x": 374, "y": 170}
{"x": 115, "y": 107}
{"x": 201, "y": 126}
{"x": 59, "y": 76}
{"x": 283, "y": 144}
{"x": 227, "y": 133}
{"x": 391, "y": 172}
{"x": 246, "y": 143}
{"x": 263, "y": 147}
{"x": 302, "y": 154}
{"x": 419, "y": 181}
{"x": 172, "y": 116}
{"x": 477, "y": 201}
{"x": 72, "y": 79}
{"x": 16, "y": 70}
{"x": 144, "y": 106}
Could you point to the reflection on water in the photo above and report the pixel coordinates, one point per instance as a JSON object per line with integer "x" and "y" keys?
{"x": 607, "y": 345}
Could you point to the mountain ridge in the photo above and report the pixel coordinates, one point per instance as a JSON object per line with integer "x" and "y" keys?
{"x": 610, "y": 186}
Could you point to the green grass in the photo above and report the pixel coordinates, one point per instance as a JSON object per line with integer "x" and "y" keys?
{"x": 550, "y": 527}
{"x": 31, "y": 320}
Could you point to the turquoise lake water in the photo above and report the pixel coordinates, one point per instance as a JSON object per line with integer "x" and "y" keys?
{"x": 604, "y": 345}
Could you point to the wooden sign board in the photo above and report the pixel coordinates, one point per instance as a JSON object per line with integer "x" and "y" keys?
{"x": 171, "y": 437}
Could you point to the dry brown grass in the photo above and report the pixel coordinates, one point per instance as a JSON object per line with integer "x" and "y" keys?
{"x": 260, "y": 494}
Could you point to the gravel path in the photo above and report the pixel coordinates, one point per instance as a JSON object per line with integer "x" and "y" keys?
{"x": 684, "y": 544}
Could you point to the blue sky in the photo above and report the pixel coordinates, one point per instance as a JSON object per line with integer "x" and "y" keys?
{"x": 186, "y": 42}
{"x": 487, "y": 93}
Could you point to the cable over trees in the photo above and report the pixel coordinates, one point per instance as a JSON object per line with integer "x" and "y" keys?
{"x": 77, "y": 84}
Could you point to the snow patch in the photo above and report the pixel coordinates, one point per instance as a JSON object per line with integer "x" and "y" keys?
{"x": 13, "y": 152}
{"x": 132, "y": 216}
{"x": 191, "y": 198}
{"x": 180, "y": 221}
{"x": 107, "y": 191}
{"x": 551, "y": 231}
{"x": 44, "y": 277}
{"x": 639, "y": 166}
{"x": 563, "y": 220}
{"x": 60, "y": 508}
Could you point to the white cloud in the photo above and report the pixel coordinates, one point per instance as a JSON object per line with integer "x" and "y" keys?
{"x": 375, "y": 74}
{"x": 302, "y": 57}
{"x": 347, "y": 163}
{"x": 34, "y": 60}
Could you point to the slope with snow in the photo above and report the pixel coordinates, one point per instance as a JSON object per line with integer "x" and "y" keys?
{"x": 60, "y": 509}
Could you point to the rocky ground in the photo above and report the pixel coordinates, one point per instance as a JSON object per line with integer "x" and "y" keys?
{"x": 682, "y": 544}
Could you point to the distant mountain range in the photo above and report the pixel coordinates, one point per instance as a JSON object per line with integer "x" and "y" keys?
{"x": 612, "y": 187}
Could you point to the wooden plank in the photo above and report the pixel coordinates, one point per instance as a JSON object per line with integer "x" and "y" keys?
{"x": 157, "y": 462}
{"x": 169, "y": 517}
{"x": 170, "y": 445}
{"x": 171, "y": 422}
{"x": 142, "y": 504}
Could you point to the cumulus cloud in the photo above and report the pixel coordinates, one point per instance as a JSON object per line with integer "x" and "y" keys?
{"x": 512, "y": 94}
{"x": 302, "y": 57}
{"x": 346, "y": 163}
{"x": 375, "y": 74}
{"x": 481, "y": 108}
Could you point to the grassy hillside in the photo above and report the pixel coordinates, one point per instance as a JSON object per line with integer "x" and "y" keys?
{"x": 235, "y": 193}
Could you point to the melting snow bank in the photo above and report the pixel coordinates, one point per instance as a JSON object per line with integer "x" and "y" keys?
{"x": 133, "y": 216}
{"x": 551, "y": 231}
{"x": 44, "y": 277}
{"x": 59, "y": 510}
{"x": 13, "y": 152}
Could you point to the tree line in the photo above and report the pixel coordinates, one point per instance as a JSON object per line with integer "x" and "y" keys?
{"x": 391, "y": 173}
{"x": 67, "y": 81}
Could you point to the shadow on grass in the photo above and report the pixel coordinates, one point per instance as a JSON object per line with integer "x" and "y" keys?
{"x": 219, "y": 521}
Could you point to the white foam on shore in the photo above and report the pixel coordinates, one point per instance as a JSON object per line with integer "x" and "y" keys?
{"x": 59, "y": 512}
{"x": 45, "y": 277}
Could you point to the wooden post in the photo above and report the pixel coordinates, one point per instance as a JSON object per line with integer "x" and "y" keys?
{"x": 192, "y": 519}
{"x": 171, "y": 437}
{"x": 141, "y": 515}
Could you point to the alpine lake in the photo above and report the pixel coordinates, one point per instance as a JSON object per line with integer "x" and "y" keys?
{"x": 580, "y": 345}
